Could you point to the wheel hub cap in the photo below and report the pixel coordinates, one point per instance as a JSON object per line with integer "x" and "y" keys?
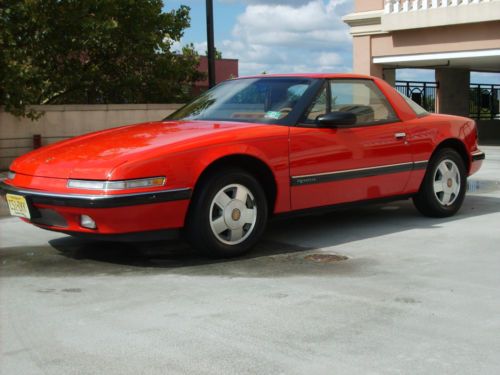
{"x": 236, "y": 214}
{"x": 233, "y": 214}
{"x": 447, "y": 182}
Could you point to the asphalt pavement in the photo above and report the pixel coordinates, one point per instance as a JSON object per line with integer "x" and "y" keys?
{"x": 374, "y": 290}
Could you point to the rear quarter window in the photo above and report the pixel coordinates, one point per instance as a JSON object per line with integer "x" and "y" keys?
{"x": 419, "y": 111}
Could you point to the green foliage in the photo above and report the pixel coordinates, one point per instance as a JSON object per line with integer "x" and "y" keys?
{"x": 92, "y": 51}
{"x": 218, "y": 54}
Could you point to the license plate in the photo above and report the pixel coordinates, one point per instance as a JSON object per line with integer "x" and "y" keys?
{"x": 18, "y": 206}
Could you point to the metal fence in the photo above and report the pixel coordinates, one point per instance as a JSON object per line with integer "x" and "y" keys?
{"x": 422, "y": 93}
{"x": 484, "y": 101}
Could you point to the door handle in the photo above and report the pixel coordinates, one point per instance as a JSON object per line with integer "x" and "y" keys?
{"x": 400, "y": 135}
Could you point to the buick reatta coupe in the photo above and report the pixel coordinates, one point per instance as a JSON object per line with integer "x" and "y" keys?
{"x": 247, "y": 150}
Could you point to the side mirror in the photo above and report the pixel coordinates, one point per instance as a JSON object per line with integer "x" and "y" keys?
{"x": 337, "y": 120}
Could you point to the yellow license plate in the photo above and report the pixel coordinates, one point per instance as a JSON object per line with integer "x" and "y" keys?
{"x": 18, "y": 206}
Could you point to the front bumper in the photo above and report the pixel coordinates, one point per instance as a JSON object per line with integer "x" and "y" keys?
{"x": 477, "y": 158}
{"x": 97, "y": 201}
{"x": 114, "y": 214}
{"x": 478, "y": 155}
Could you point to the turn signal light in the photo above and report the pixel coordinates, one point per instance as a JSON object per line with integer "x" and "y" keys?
{"x": 87, "y": 222}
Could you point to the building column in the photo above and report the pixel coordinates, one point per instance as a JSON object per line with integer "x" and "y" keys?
{"x": 453, "y": 91}
{"x": 389, "y": 75}
{"x": 362, "y": 57}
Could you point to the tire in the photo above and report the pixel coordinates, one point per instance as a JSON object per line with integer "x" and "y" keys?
{"x": 443, "y": 189}
{"x": 228, "y": 214}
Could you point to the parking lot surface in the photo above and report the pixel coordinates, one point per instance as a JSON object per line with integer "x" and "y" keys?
{"x": 375, "y": 290}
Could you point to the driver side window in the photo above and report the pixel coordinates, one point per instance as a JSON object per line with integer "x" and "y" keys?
{"x": 358, "y": 96}
{"x": 318, "y": 107}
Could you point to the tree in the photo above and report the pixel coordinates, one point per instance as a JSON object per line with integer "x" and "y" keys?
{"x": 92, "y": 51}
{"x": 218, "y": 54}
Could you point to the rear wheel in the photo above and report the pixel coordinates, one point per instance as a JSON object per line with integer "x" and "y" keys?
{"x": 443, "y": 190}
{"x": 228, "y": 214}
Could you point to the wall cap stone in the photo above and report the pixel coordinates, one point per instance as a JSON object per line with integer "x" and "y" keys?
{"x": 102, "y": 107}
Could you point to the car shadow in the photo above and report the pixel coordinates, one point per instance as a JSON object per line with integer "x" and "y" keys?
{"x": 342, "y": 226}
{"x": 292, "y": 238}
{"x": 157, "y": 254}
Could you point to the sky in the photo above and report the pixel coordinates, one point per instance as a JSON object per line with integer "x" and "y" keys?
{"x": 267, "y": 36}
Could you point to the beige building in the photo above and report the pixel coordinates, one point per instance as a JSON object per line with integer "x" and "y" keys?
{"x": 453, "y": 37}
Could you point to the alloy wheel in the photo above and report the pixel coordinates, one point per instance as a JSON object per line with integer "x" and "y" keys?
{"x": 233, "y": 214}
{"x": 446, "y": 184}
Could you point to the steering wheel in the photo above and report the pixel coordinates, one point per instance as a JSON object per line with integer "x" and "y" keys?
{"x": 285, "y": 111}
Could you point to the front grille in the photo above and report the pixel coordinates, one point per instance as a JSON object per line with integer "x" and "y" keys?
{"x": 49, "y": 217}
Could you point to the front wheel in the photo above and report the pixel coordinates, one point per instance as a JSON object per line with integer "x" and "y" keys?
{"x": 228, "y": 214}
{"x": 443, "y": 189}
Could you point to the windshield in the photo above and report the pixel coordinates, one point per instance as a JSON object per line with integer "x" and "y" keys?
{"x": 266, "y": 100}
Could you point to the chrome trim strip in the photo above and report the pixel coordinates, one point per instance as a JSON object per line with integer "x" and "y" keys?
{"x": 356, "y": 173}
{"x": 351, "y": 170}
{"x": 422, "y": 164}
{"x": 98, "y": 201}
{"x": 84, "y": 196}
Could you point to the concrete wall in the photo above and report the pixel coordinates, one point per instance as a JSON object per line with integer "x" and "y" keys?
{"x": 470, "y": 37}
{"x": 61, "y": 122}
{"x": 65, "y": 121}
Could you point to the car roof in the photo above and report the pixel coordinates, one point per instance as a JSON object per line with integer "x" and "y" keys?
{"x": 312, "y": 75}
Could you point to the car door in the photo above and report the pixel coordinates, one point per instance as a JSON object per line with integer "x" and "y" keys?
{"x": 368, "y": 160}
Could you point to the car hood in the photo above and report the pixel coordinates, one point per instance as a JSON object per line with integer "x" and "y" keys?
{"x": 97, "y": 155}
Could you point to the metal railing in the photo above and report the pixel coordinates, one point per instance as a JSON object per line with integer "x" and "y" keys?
{"x": 484, "y": 101}
{"x": 422, "y": 93}
{"x": 398, "y": 6}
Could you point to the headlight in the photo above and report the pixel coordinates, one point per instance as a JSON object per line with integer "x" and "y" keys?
{"x": 11, "y": 175}
{"x": 117, "y": 185}
{"x": 87, "y": 184}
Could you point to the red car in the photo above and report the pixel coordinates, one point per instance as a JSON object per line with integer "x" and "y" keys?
{"x": 249, "y": 149}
